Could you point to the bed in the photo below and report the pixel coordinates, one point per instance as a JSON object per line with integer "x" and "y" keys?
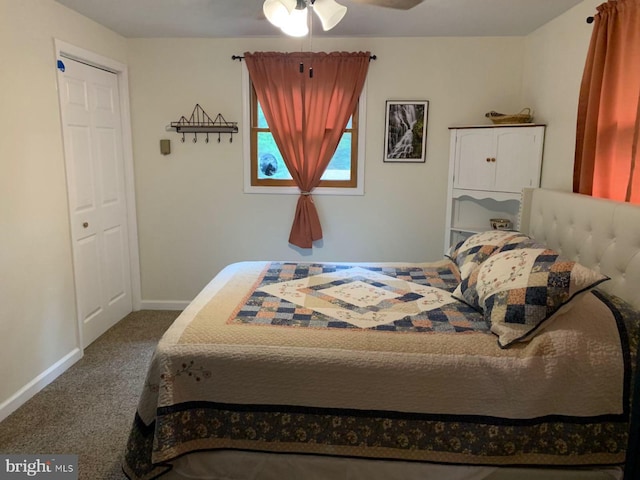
{"x": 321, "y": 370}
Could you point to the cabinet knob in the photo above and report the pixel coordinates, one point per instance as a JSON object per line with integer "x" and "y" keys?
{"x": 488, "y": 160}
{"x": 493, "y": 159}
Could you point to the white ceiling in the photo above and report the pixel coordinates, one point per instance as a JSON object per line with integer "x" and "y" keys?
{"x": 240, "y": 18}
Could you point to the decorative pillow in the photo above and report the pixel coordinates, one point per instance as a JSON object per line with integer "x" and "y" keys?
{"x": 474, "y": 250}
{"x": 518, "y": 290}
{"x": 520, "y": 242}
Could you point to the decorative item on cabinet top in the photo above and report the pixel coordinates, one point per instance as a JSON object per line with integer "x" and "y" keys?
{"x": 524, "y": 116}
{"x": 200, "y": 122}
{"x": 500, "y": 224}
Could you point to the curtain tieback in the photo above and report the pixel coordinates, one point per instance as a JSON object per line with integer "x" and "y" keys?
{"x": 305, "y": 193}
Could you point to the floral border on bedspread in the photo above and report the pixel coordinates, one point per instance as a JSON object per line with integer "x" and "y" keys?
{"x": 553, "y": 440}
{"x": 388, "y": 435}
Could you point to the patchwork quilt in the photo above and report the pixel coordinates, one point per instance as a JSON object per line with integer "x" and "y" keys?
{"x": 348, "y": 296}
{"x": 380, "y": 361}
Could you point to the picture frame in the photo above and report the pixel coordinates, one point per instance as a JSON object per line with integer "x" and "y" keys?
{"x": 405, "y": 132}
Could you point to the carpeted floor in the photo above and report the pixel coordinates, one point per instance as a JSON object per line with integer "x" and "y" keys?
{"x": 88, "y": 410}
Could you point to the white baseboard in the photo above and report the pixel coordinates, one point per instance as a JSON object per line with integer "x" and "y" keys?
{"x": 34, "y": 386}
{"x": 163, "y": 305}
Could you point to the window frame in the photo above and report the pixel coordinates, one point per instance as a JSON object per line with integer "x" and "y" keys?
{"x": 326, "y": 187}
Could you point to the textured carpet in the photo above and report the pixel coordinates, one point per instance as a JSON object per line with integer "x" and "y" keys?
{"x": 88, "y": 410}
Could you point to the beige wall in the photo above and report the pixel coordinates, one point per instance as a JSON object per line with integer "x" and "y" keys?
{"x": 193, "y": 215}
{"x": 554, "y": 61}
{"x": 37, "y": 303}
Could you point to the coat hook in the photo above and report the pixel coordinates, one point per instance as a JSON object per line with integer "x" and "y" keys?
{"x": 200, "y": 122}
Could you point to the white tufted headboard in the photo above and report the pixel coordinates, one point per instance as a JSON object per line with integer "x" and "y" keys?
{"x": 601, "y": 234}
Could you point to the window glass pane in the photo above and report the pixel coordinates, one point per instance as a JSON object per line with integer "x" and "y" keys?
{"x": 271, "y": 165}
{"x": 262, "y": 122}
{"x": 270, "y": 162}
{"x": 339, "y": 167}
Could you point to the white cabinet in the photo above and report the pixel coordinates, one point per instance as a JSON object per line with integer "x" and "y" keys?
{"x": 488, "y": 168}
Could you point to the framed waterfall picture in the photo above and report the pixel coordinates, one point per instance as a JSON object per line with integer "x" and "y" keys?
{"x": 405, "y": 135}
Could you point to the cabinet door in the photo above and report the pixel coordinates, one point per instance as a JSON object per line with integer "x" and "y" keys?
{"x": 473, "y": 169}
{"x": 518, "y": 158}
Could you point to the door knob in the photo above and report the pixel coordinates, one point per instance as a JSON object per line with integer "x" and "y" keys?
{"x": 85, "y": 224}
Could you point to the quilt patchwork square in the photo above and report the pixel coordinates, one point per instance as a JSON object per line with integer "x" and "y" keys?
{"x": 350, "y": 296}
{"x": 359, "y": 296}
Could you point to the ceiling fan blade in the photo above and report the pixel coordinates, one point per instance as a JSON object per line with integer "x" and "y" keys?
{"x": 398, "y": 4}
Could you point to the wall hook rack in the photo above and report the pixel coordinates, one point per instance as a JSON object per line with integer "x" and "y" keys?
{"x": 200, "y": 122}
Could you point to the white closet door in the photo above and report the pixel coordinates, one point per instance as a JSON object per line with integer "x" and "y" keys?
{"x": 96, "y": 188}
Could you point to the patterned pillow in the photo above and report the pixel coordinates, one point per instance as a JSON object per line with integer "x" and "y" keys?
{"x": 519, "y": 289}
{"x": 520, "y": 242}
{"x": 474, "y": 250}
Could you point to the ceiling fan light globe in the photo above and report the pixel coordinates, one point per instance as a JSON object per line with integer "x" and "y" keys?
{"x": 330, "y": 13}
{"x": 277, "y": 11}
{"x": 296, "y": 24}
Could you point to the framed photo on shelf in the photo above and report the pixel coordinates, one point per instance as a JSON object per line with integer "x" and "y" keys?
{"x": 405, "y": 134}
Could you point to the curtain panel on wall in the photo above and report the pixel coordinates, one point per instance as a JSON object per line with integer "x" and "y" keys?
{"x": 608, "y": 127}
{"x": 307, "y": 115}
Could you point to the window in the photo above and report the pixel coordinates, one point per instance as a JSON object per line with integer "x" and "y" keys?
{"x": 265, "y": 171}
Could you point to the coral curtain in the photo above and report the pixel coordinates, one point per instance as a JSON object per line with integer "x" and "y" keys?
{"x": 307, "y": 114}
{"x": 608, "y": 128}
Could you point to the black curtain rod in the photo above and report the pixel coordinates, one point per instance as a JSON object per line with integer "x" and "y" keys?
{"x": 590, "y": 19}
{"x": 239, "y": 57}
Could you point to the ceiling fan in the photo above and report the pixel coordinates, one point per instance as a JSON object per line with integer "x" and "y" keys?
{"x": 291, "y": 15}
